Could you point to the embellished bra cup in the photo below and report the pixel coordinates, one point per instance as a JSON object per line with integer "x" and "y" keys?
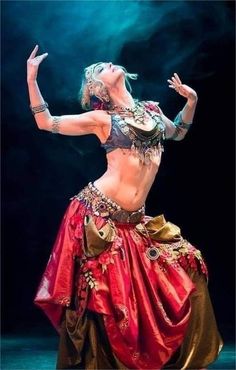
{"x": 143, "y": 143}
{"x": 117, "y": 138}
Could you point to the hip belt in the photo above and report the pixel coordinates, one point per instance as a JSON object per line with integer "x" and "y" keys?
{"x": 103, "y": 206}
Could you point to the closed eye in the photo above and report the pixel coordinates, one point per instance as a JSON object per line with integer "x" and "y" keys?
{"x": 100, "y": 69}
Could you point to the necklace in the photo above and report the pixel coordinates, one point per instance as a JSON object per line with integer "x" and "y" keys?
{"x": 137, "y": 113}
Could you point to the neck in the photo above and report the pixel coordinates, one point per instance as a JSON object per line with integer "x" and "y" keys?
{"x": 121, "y": 97}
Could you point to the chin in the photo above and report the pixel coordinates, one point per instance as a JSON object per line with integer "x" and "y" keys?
{"x": 115, "y": 77}
{"x": 119, "y": 71}
{"x": 118, "y": 74}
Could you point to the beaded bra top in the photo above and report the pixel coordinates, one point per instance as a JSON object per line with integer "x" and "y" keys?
{"x": 142, "y": 143}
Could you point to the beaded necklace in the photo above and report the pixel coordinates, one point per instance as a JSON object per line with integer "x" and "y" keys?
{"x": 138, "y": 112}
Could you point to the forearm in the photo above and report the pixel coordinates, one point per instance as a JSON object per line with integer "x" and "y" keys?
{"x": 188, "y": 110}
{"x": 43, "y": 118}
{"x": 177, "y": 129}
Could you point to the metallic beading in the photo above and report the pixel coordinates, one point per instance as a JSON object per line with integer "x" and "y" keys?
{"x": 101, "y": 205}
{"x": 39, "y": 108}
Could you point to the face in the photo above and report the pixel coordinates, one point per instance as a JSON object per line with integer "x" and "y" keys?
{"x": 109, "y": 74}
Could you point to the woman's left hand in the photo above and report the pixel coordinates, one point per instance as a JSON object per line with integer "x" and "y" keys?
{"x": 184, "y": 90}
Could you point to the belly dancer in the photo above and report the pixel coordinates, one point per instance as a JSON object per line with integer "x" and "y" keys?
{"x": 123, "y": 290}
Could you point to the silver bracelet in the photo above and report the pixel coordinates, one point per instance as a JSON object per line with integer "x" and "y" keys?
{"x": 55, "y": 124}
{"x": 179, "y": 124}
{"x": 39, "y": 108}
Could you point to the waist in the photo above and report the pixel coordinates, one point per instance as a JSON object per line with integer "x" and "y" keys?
{"x": 100, "y": 205}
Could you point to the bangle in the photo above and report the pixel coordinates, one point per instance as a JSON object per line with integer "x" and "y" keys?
{"x": 55, "y": 124}
{"x": 178, "y": 121}
{"x": 39, "y": 108}
{"x": 179, "y": 124}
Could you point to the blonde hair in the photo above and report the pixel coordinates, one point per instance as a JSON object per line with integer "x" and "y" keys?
{"x": 98, "y": 88}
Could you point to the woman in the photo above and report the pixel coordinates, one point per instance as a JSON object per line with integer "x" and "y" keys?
{"x": 124, "y": 290}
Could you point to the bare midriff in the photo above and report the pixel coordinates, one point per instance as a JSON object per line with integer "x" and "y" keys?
{"x": 127, "y": 181}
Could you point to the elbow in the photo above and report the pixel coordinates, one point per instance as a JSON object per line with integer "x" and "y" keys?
{"x": 181, "y": 132}
{"x": 180, "y": 137}
{"x": 40, "y": 126}
{"x": 43, "y": 124}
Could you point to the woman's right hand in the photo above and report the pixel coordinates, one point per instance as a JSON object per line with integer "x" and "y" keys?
{"x": 33, "y": 64}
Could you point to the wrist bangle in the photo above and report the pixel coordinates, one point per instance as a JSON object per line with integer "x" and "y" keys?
{"x": 39, "y": 108}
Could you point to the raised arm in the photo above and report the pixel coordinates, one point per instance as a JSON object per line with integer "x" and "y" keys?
{"x": 177, "y": 129}
{"x": 94, "y": 122}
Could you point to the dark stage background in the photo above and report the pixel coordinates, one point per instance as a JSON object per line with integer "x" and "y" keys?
{"x": 41, "y": 171}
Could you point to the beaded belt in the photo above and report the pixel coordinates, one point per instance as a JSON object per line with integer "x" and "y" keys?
{"x": 103, "y": 206}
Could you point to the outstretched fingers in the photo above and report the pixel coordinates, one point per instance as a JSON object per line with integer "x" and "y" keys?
{"x": 171, "y": 84}
{"x": 42, "y": 57}
{"x": 175, "y": 82}
{"x": 177, "y": 78}
{"x": 32, "y": 55}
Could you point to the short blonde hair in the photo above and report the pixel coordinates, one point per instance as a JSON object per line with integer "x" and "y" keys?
{"x": 98, "y": 85}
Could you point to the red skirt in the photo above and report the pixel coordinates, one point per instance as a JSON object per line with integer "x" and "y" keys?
{"x": 131, "y": 284}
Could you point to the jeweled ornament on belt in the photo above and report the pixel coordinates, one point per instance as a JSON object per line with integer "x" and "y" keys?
{"x": 152, "y": 253}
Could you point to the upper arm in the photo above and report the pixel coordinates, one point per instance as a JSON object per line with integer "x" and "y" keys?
{"x": 92, "y": 122}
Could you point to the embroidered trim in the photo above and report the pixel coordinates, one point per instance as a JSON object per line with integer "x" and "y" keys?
{"x": 65, "y": 301}
{"x": 90, "y": 280}
{"x": 181, "y": 254}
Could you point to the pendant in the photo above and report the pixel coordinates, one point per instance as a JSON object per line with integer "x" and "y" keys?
{"x": 133, "y": 147}
{"x": 148, "y": 154}
{"x": 160, "y": 147}
{"x": 141, "y": 156}
{"x": 152, "y": 253}
{"x": 147, "y": 159}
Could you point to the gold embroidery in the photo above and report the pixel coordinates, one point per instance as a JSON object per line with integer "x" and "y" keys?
{"x": 65, "y": 301}
{"x": 90, "y": 280}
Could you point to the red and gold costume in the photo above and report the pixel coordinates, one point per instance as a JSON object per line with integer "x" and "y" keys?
{"x": 126, "y": 291}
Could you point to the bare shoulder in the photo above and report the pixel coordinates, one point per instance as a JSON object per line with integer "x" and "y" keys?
{"x": 101, "y": 117}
